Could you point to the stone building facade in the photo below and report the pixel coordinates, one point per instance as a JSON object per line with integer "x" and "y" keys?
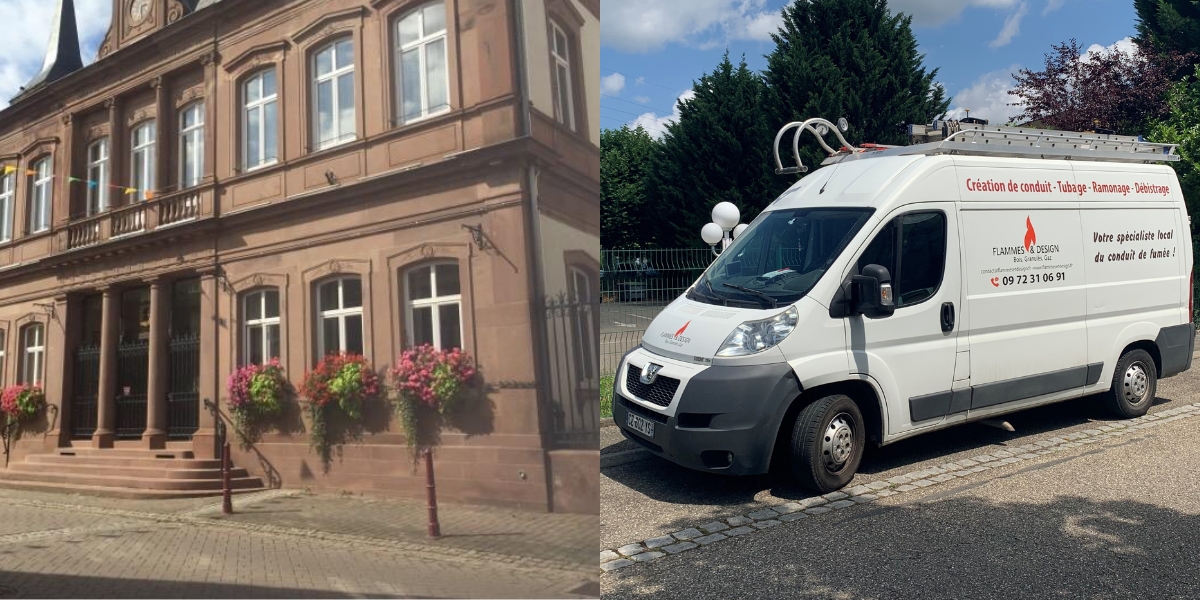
{"x": 235, "y": 180}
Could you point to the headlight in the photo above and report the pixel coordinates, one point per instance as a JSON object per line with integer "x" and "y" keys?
{"x": 753, "y": 337}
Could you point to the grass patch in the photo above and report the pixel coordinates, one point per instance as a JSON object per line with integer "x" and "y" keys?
{"x": 606, "y": 396}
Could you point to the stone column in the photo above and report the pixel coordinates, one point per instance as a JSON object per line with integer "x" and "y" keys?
{"x": 204, "y": 441}
{"x": 165, "y": 143}
{"x": 155, "y": 435}
{"x": 106, "y": 400}
{"x": 61, "y": 339}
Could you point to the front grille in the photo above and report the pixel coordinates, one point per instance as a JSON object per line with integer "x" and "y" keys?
{"x": 660, "y": 393}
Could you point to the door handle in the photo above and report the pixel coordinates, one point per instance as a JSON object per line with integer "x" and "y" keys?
{"x": 947, "y": 316}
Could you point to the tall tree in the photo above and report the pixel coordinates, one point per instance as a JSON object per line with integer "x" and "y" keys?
{"x": 718, "y": 150}
{"x": 853, "y": 59}
{"x": 1182, "y": 126}
{"x": 1106, "y": 89}
{"x": 1169, "y": 25}
{"x": 625, "y": 157}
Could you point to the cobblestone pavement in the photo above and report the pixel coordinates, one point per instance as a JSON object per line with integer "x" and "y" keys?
{"x": 282, "y": 544}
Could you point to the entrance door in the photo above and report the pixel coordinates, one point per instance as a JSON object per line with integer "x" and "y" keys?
{"x": 133, "y": 363}
{"x": 183, "y": 399}
{"x": 86, "y": 371}
{"x": 911, "y": 353}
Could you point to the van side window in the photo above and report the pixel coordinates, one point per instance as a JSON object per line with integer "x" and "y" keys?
{"x": 922, "y": 255}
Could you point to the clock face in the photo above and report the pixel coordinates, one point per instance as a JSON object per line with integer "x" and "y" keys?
{"x": 139, "y": 10}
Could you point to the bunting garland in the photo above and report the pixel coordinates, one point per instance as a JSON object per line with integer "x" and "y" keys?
{"x": 125, "y": 190}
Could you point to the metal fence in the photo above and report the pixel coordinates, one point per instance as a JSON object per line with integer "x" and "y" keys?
{"x": 635, "y": 285}
{"x": 183, "y": 401}
{"x": 86, "y": 388}
{"x": 132, "y": 368}
{"x": 572, "y": 387}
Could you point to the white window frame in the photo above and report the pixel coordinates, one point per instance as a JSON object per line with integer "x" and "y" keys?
{"x": 435, "y": 301}
{"x": 33, "y": 350}
{"x": 584, "y": 332}
{"x": 338, "y": 313}
{"x": 8, "y": 186}
{"x": 196, "y": 131}
{"x": 97, "y": 195}
{"x": 259, "y": 106}
{"x": 422, "y": 43}
{"x": 3, "y": 352}
{"x": 142, "y": 160}
{"x": 264, "y": 322}
{"x": 566, "y": 114}
{"x": 334, "y": 77}
{"x": 41, "y": 195}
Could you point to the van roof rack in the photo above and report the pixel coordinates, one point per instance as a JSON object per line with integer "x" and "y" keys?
{"x": 956, "y": 137}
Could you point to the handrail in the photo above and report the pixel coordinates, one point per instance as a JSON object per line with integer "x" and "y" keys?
{"x": 802, "y": 126}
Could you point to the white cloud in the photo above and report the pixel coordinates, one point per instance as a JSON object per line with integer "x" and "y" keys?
{"x": 27, "y": 33}
{"x": 641, "y": 99}
{"x": 612, "y": 84}
{"x": 640, "y": 26}
{"x": 988, "y": 98}
{"x": 640, "y": 80}
{"x": 1012, "y": 26}
{"x": 937, "y": 12}
{"x": 1124, "y": 45}
{"x": 1053, "y": 5}
{"x": 655, "y": 125}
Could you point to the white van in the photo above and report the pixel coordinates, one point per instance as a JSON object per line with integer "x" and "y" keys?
{"x": 904, "y": 290}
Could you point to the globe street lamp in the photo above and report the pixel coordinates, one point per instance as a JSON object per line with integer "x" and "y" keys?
{"x": 724, "y": 227}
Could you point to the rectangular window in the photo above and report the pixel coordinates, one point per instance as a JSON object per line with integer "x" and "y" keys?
{"x": 262, "y": 326}
{"x": 41, "y": 195}
{"x": 424, "y": 80}
{"x": 340, "y": 317}
{"x": 259, "y": 144}
{"x": 564, "y": 105}
{"x": 7, "y": 184}
{"x": 33, "y": 342}
{"x": 191, "y": 145}
{"x": 97, "y": 184}
{"x": 434, "y": 311}
{"x": 916, "y": 260}
{"x": 142, "y": 163}
{"x": 333, "y": 94}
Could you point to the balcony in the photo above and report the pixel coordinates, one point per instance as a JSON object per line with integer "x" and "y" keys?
{"x": 127, "y": 221}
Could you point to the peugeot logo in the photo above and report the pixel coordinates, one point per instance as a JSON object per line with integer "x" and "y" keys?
{"x": 650, "y": 373}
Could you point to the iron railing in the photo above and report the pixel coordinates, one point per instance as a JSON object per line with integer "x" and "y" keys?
{"x": 183, "y": 400}
{"x": 572, "y": 385}
{"x": 132, "y": 369}
{"x": 85, "y": 391}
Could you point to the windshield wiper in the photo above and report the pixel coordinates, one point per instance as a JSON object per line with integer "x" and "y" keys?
{"x": 774, "y": 304}
{"x": 724, "y": 301}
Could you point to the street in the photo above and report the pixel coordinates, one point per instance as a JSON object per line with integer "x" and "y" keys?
{"x": 1074, "y": 503}
{"x": 285, "y": 544}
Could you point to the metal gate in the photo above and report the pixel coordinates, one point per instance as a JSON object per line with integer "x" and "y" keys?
{"x": 183, "y": 401}
{"x": 86, "y": 391}
{"x": 132, "y": 369}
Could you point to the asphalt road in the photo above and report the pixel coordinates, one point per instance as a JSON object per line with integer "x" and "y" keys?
{"x": 1113, "y": 519}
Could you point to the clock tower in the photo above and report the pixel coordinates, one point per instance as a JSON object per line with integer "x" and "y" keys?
{"x": 134, "y": 19}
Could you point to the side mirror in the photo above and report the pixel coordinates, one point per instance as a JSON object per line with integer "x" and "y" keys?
{"x": 870, "y": 294}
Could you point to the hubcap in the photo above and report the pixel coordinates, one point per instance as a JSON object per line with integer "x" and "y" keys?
{"x": 838, "y": 442}
{"x": 1137, "y": 384}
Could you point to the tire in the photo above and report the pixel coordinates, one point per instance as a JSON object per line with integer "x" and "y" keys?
{"x": 1134, "y": 384}
{"x": 825, "y": 455}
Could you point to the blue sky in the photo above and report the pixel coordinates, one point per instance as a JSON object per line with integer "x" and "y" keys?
{"x": 27, "y": 32}
{"x": 652, "y": 52}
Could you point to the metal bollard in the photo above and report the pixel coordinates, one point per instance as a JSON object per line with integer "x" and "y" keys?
{"x": 226, "y": 486}
{"x": 435, "y": 529}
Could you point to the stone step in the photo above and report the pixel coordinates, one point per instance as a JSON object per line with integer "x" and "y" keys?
{"x": 114, "y": 492}
{"x": 125, "y": 452}
{"x": 123, "y": 461}
{"x": 166, "y": 470}
{"x": 125, "y": 481}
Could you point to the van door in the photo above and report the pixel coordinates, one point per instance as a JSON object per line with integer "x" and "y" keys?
{"x": 911, "y": 353}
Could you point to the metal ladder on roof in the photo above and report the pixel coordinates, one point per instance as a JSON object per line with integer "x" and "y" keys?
{"x": 953, "y": 137}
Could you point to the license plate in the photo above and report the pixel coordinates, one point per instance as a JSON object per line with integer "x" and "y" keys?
{"x": 639, "y": 424}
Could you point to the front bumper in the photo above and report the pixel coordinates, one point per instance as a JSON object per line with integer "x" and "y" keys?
{"x": 721, "y": 419}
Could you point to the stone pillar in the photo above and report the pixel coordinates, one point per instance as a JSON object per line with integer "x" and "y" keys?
{"x": 61, "y": 339}
{"x": 155, "y": 435}
{"x": 106, "y": 400}
{"x": 116, "y": 152}
{"x": 61, "y": 211}
{"x": 204, "y": 441}
{"x": 164, "y": 138}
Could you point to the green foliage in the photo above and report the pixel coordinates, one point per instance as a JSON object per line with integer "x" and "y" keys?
{"x": 719, "y": 150}
{"x": 1169, "y": 25}
{"x": 853, "y": 59}
{"x": 625, "y": 221}
{"x": 1182, "y": 127}
{"x": 606, "y": 396}
{"x": 347, "y": 384}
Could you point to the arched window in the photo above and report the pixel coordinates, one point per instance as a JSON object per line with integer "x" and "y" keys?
{"x": 340, "y": 316}
{"x": 423, "y": 81}
{"x": 333, "y": 93}
{"x": 191, "y": 145}
{"x": 142, "y": 158}
{"x": 41, "y": 195}
{"x": 33, "y": 353}
{"x": 261, "y": 330}
{"x": 433, "y": 312}
{"x": 260, "y": 125}
{"x": 97, "y": 187}
{"x": 7, "y": 186}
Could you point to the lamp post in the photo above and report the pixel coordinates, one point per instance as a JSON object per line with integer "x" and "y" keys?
{"x": 724, "y": 228}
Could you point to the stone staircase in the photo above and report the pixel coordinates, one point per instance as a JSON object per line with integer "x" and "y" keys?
{"x": 124, "y": 473}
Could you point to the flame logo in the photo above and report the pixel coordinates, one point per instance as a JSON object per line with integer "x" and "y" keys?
{"x": 682, "y": 329}
{"x": 1030, "y": 236}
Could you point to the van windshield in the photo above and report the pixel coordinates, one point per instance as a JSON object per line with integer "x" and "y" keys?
{"x": 779, "y": 257}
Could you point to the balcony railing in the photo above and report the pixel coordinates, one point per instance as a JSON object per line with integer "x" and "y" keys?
{"x": 123, "y": 221}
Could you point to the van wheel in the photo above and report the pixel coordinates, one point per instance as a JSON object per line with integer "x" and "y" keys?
{"x": 1134, "y": 384}
{"x": 827, "y": 443}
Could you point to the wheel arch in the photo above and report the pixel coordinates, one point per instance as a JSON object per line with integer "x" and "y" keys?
{"x": 862, "y": 391}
